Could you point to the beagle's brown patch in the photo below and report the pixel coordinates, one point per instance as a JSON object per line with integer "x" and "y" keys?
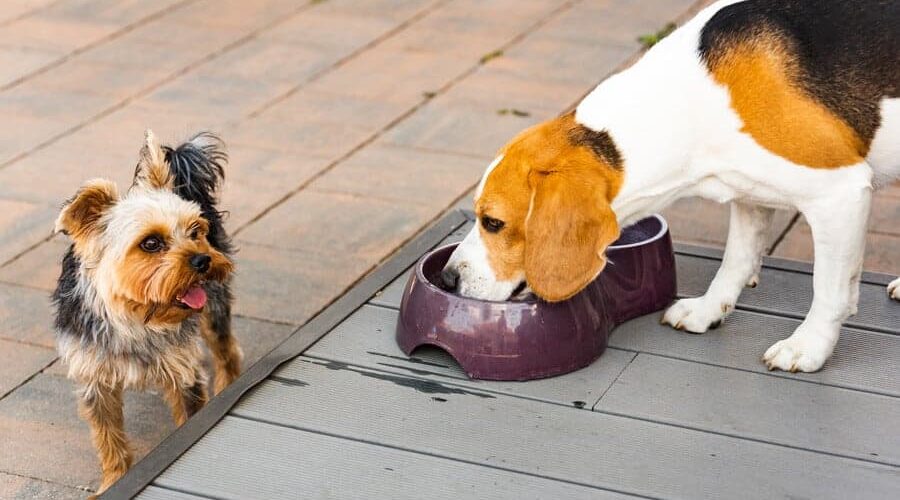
{"x": 761, "y": 76}
{"x": 552, "y": 189}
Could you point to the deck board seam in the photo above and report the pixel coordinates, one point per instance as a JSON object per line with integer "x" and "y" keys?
{"x": 616, "y": 379}
{"x": 235, "y": 412}
{"x": 436, "y": 455}
{"x": 767, "y": 373}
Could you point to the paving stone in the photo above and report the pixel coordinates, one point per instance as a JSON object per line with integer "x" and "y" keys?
{"x": 43, "y": 436}
{"x": 17, "y": 62}
{"x": 882, "y": 250}
{"x": 406, "y": 175}
{"x": 24, "y": 488}
{"x": 271, "y": 61}
{"x": 39, "y": 267}
{"x": 331, "y": 223}
{"x": 257, "y": 178}
{"x": 237, "y": 14}
{"x": 20, "y": 361}
{"x": 885, "y": 217}
{"x": 14, "y": 9}
{"x": 411, "y": 75}
{"x": 290, "y": 286}
{"x": 53, "y": 35}
{"x": 23, "y": 225}
{"x": 313, "y": 29}
{"x": 499, "y": 90}
{"x": 315, "y": 123}
{"x": 460, "y": 128}
{"x": 395, "y": 10}
{"x": 546, "y": 58}
{"x": 703, "y": 222}
{"x": 117, "y": 12}
{"x": 227, "y": 97}
{"x": 33, "y": 116}
{"x": 25, "y": 316}
{"x": 81, "y": 76}
{"x": 160, "y": 46}
{"x": 257, "y": 337}
{"x": 615, "y": 22}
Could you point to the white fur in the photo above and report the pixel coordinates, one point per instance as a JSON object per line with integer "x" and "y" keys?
{"x": 476, "y": 277}
{"x": 680, "y": 137}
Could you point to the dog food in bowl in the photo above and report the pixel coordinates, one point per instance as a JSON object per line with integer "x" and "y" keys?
{"x": 528, "y": 338}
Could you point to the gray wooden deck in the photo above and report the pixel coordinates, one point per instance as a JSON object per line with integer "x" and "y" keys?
{"x": 662, "y": 414}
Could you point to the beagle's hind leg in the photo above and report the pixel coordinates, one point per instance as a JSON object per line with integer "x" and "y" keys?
{"x": 838, "y": 224}
{"x": 740, "y": 267}
{"x": 216, "y": 327}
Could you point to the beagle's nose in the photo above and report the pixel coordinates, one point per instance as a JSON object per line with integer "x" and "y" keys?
{"x": 200, "y": 262}
{"x": 450, "y": 277}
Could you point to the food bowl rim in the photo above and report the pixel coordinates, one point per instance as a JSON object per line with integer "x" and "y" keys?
{"x": 420, "y": 264}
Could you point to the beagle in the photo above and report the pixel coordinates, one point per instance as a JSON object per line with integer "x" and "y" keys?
{"x": 762, "y": 104}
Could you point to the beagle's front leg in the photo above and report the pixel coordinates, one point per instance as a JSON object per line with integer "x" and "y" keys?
{"x": 838, "y": 226}
{"x": 893, "y": 289}
{"x": 740, "y": 267}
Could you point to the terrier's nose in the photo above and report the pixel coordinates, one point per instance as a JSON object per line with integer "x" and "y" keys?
{"x": 450, "y": 277}
{"x": 200, "y": 262}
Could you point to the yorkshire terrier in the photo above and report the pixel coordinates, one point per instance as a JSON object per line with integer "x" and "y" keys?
{"x": 146, "y": 276}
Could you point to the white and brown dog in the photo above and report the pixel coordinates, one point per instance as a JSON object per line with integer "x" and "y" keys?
{"x": 762, "y": 104}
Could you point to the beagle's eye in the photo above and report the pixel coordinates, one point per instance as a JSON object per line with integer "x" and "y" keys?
{"x": 491, "y": 224}
{"x": 152, "y": 244}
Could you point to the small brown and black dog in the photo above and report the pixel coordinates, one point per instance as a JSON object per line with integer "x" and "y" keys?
{"x": 146, "y": 277}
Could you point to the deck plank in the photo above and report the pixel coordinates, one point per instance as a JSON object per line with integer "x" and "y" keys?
{"x": 771, "y": 409}
{"x": 591, "y": 448}
{"x": 862, "y": 360}
{"x": 787, "y": 293}
{"x": 157, "y": 493}
{"x": 366, "y": 338}
{"x": 274, "y": 462}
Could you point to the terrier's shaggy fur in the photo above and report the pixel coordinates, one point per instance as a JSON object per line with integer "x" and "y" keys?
{"x": 147, "y": 275}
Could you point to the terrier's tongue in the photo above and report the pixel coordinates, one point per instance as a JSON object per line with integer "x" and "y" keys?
{"x": 195, "y": 298}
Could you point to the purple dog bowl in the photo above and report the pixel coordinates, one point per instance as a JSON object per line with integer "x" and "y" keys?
{"x": 530, "y": 339}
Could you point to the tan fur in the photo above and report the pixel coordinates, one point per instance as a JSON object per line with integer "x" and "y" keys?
{"x": 226, "y": 354}
{"x": 81, "y": 217}
{"x": 150, "y": 282}
{"x": 101, "y": 408}
{"x": 567, "y": 188}
{"x": 152, "y": 170}
{"x": 761, "y": 77}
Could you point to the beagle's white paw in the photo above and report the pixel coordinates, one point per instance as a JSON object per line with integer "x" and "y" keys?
{"x": 801, "y": 352}
{"x": 893, "y": 289}
{"x": 696, "y": 315}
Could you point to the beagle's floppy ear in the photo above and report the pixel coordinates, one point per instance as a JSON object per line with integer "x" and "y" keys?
{"x": 569, "y": 227}
{"x": 152, "y": 171}
{"x": 81, "y": 216}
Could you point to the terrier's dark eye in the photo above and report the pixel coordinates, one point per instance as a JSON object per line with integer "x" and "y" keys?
{"x": 151, "y": 244}
{"x": 491, "y": 224}
{"x": 195, "y": 233}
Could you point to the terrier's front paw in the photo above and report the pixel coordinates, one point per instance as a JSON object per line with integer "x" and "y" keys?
{"x": 696, "y": 315}
{"x": 893, "y": 289}
{"x": 799, "y": 352}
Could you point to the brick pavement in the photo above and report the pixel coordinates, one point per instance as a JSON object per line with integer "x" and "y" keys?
{"x": 351, "y": 126}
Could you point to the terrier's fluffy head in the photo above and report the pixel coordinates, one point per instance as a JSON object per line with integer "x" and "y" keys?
{"x": 146, "y": 253}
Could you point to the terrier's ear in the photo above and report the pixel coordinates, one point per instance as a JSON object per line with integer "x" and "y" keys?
{"x": 81, "y": 216}
{"x": 152, "y": 171}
